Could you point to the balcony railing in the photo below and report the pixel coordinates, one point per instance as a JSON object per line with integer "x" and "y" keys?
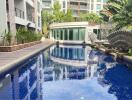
{"x": 30, "y": 18}
{"x": 83, "y": 7}
{"x": 19, "y": 13}
{"x": 85, "y": 1}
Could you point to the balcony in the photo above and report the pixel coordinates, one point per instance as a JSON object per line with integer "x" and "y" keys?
{"x": 19, "y": 13}
{"x": 46, "y": 4}
{"x": 30, "y": 13}
{"x": 30, "y": 18}
{"x": 31, "y": 2}
{"x": 74, "y": 7}
{"x": 85, "y": 1}
{"x": 83, "y": 7}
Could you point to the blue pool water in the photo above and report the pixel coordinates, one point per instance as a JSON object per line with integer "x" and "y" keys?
{"x": 68, "y": 73}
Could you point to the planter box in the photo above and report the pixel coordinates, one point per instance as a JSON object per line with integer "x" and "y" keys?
{"x": 17, "y": 47}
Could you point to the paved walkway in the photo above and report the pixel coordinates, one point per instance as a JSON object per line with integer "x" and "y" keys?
{"x": 9, "y": 58}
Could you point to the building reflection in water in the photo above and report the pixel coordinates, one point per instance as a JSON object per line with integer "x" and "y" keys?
{"x": 24, "y": 83}
{"x": 63, "y": 63}
{"x": 68, "y": 62}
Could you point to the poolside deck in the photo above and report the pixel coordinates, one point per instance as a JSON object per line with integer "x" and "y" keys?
{"x": 8, "y": 59}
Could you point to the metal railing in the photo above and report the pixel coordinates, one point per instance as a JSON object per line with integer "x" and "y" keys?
{"x": 19, "y": 13}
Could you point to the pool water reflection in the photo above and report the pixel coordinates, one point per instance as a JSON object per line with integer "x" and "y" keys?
{"x": 69, "y": 73}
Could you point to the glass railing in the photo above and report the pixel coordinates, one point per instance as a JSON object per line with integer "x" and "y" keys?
{"x": 19, "y": 13}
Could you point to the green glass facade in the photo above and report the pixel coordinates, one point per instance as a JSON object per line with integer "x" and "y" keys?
{"x": 77, "y": 34}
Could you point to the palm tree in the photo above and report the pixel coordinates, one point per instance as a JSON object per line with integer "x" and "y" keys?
{"x": 119, "y": 12}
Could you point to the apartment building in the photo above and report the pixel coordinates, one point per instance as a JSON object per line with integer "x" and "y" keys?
{"x": 20, "y": 13}
{"x": 77, "y": 6}
{"x": 47, "y": 5}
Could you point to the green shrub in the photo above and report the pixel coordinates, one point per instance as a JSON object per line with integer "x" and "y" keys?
{"x": 24, "y": 36}
{"x": 21, "y": 35}
{"x": 7, "y": 38}
{"x": 130, "y": 52}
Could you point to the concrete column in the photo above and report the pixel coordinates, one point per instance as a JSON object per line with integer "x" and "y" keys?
{"x": 25, "y": 11}
{"x": 11, "y": 16}
{"x": 36, "y": 14}
{"x": 3, "y": 19}
{"x": 78, "y": 8}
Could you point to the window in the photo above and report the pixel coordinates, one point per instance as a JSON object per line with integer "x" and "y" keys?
{"x": 64, "y": 4}
{"x": 38, "y": 7}
{"x": 38, "y": 21}
{"x": 61, "y": 34}
{"x": 81, "y": 34}
{"x": 75, "y": 34}
{"x": 98, "y": 7}
{"x": 98, "y": 0}
{"x": 71, "y": 34}
{"x": 66, "y": 35}
{"x": 92, "y": 6}
{"x": 104, "y": 1}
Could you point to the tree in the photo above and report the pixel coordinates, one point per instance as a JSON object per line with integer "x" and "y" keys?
{"x": 57, "y": 13}
{"x": 68, "y": 17}
{"x": 55, "y": 16}
{"x": 47, "y": 19}
{"x": 92, "y": 18}
{"x": 118, "y": 12}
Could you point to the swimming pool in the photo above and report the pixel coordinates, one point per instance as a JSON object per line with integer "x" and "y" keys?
{"x": 68, "y": 73}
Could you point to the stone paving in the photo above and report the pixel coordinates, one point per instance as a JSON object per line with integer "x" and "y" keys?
{"x": 9, "y": 57}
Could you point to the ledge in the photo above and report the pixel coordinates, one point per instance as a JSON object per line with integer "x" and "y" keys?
{"x": 21, "y": 56}
{"x": 116, "y": 54}
{"x": 17, "y": 47}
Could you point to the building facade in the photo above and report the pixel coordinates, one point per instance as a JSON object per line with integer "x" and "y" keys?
{"x": 20, "y": 13}
{"x": 74, "y": 32}
{"x": 77, "y": 6}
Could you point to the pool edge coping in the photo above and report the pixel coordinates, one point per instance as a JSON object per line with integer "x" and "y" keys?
{"x": 7, "y": 67}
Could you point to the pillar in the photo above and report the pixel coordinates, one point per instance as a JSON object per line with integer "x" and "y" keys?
{"x": 11, "y": 17}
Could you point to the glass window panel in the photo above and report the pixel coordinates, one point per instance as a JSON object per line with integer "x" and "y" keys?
{"x": 105, "y": 1}
{"x": 98, "y": 7}
{"x": 81, "y": 34}
{"x": 98, "y": 0}
{"x": 71, "y": 34}
{"x": 66, "y": 34}
{"x": 61, "y": 34}
{"x": 57, "y": 31}
{"x": 75, "y": 34}
{"x": 54, "y": 33}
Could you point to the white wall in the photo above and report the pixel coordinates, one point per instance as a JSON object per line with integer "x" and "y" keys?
{"x": 19, "y": 4}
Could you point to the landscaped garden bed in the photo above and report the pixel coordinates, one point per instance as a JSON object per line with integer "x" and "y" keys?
{"x": 24, "y": 38}
{"x": 17, "y": 47}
